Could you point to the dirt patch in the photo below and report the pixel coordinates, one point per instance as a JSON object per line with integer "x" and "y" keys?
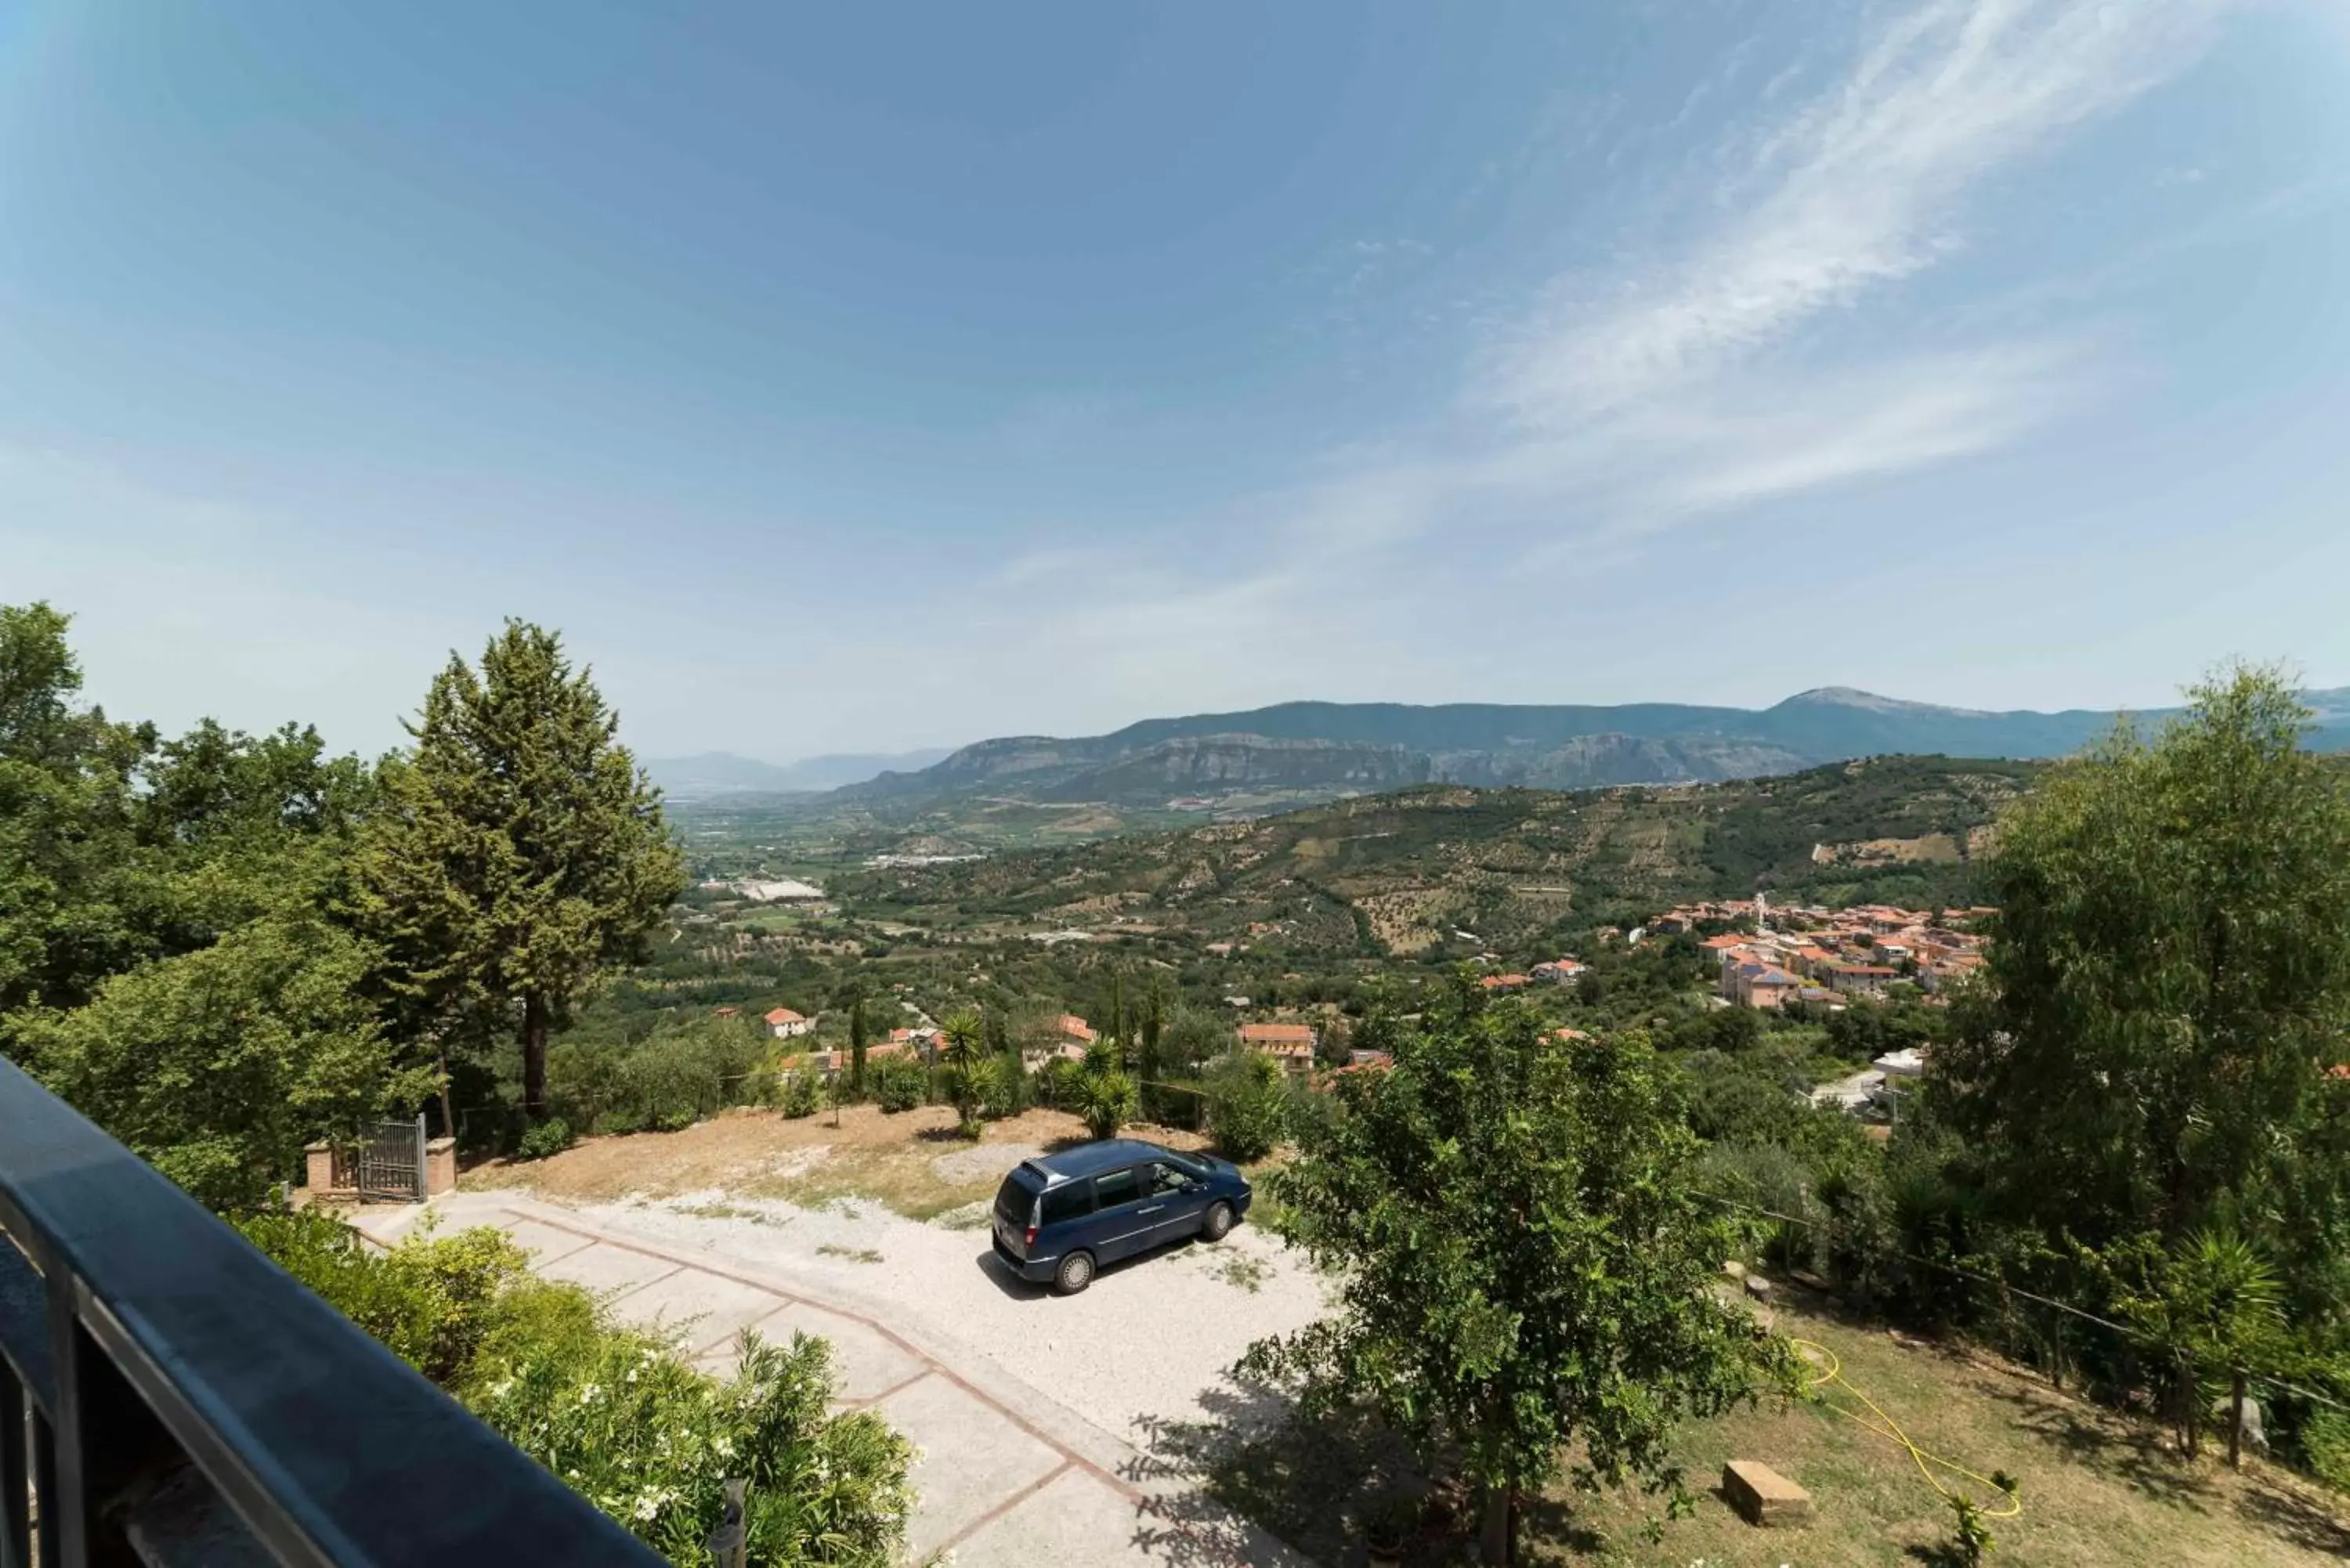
{"x": 1932, "y": 848}
{"x": 913, "y": 1161}
{"x": 981, "y": 1162}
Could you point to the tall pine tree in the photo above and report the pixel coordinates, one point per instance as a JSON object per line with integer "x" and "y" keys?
{"x": 520, "y": 851}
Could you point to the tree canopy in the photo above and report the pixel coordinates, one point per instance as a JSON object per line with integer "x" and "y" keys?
{"x": 172, "y": 958}
{"x": 2169, "y": 974}
{"x": 1523, "y": 1262}
{"x": 519, "y": 851}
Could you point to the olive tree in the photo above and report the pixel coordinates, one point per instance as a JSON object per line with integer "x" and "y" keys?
{"x": 1524, "y": 1267}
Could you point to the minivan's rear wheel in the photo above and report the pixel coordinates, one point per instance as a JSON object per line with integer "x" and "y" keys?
{"x": 1076, "y": 1272}
{"x": 1219, "y": 1223}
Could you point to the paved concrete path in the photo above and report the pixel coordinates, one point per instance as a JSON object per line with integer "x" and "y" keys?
{"x": 1005, "y": 1476}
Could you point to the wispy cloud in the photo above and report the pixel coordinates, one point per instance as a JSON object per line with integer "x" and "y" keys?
{"x": 1859, "y": 188}
{"x": 1695, "y": 377}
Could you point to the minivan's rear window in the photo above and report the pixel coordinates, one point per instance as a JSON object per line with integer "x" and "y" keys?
{"x": 1017, "y": 1195}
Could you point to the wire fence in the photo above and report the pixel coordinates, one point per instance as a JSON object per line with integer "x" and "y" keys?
{"x": 2137, "y": 1338}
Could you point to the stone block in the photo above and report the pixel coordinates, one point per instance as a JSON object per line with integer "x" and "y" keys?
{"x": 1763, "y": 1496}
{"x": 318, "y": 1166}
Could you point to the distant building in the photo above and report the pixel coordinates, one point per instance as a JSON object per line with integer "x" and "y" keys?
{"x": 1759, "y": 985}
{"x": 1292, "y": 1043}
{"x": 784, "y": 1024}
{"x": 1905, "y": 1062}
{"x": 781, "y": 889}
{"x": 1506, "y": 982}
{"x": 1559, "y": 972}
{"x": 1859, "y": 979}
{"x": 1856, "y": 1096}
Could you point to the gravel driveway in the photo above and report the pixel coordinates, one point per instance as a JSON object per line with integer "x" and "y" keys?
{"x": 1147, "y": 1344}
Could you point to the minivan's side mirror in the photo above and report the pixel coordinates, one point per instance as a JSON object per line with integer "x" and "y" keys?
{"x": 1195, "y": 1187}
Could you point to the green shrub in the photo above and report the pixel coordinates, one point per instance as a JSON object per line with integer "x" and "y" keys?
{"x": 1006, "y": 1090}
{"x": 2325, "y": 1439}
{"x": 652, "y": 1442}
{"x": 619, "y": 1414}
{"x": 897, "y": 1083}
{"x": 1056, "y": 1084}
{"x": 540, "y": 1139}
{"x": 431, "y": 1301}
{"x": 1765, "y": 1176}
{"x": 1248, "y": 1105}
{"x": 803, "y": 1093}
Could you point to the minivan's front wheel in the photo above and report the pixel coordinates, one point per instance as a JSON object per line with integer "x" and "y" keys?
{"x": 1076, "y": 1272}
{"x": 1219, "y": 1223}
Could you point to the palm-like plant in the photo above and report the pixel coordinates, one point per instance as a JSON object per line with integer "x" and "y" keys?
{"x": 2218, "y": 1304}
{"x": 1106, "y": 1100}
{"x": 963, "y": 1051}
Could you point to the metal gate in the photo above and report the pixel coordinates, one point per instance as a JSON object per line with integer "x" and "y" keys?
{"x": 391, "y": 1161}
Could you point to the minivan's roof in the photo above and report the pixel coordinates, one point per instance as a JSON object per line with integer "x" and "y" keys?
{"x": 1089, "y": 1160}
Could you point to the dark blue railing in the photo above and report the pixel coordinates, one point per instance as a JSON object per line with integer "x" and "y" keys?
{"x": 169, "y": 1395}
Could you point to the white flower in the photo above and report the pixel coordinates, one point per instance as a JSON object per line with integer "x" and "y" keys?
{"x": 725, "y": 1447}
{"x": 587, "y": 1395}
{"x": 647, "y": 1506}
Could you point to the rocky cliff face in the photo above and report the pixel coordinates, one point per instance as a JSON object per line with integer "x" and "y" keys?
{"x": 1217, "y": 764}
{"x": 1592, "y": 761}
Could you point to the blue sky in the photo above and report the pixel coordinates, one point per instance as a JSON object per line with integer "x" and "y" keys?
{"x": 858, "y": 377}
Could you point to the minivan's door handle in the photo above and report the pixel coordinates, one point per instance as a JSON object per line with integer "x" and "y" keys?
{"x": 1152, "y": 1210}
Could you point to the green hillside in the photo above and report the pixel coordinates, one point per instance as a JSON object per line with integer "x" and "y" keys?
{"x": 1402, "y": 872}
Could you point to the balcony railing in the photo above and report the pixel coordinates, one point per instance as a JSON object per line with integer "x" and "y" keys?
{"x": 169, "y": 1395}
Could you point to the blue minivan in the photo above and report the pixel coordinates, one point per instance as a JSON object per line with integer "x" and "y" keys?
{"x": 1062, "y": 1217}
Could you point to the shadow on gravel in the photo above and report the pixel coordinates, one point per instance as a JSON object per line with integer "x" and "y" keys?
{"x": 1308, "y": 1485}
{"x": 1000, "y": 1274}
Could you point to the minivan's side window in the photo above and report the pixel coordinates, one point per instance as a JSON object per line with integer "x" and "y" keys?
{"x": 1068, "y": 1201}
{"x": 1115, "y": 1187}
{"x": 1165, "y": 1179}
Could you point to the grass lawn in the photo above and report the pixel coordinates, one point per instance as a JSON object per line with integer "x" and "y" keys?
{"x": 2096, "y": 1489}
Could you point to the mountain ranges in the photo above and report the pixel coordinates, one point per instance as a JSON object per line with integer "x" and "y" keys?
{"x": 1299, "y": 751}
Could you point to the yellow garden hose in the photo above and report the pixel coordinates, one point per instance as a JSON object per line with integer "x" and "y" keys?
{"x": 1827, "y": 1369}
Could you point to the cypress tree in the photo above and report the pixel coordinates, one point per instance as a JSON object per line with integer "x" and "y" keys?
{"x": 857, "y": 1045}
{"x": 520, "y": 851}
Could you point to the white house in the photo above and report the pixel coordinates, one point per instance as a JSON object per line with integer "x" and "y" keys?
{"x": 785, "y": 1025}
